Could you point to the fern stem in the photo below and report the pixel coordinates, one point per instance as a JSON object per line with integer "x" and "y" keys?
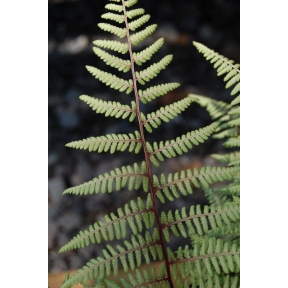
{"x": 147, "y": 159}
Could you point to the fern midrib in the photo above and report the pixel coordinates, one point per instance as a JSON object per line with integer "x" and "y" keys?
{"x": 94, "y": 231}
{"x": 200, "y": 216}
{"x": 147, "y": 159}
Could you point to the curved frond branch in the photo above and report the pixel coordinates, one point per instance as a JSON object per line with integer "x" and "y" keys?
{"x": 138, "y": 37}
{"x": 182, "y": 182}
{"x": 111, "y": 80}
{"x": 139, "y": 22}
{"x": 156, "y": 91}
{"x": 166, "y": 113}
{"x": 111, "y": 143}
{"x": 111, "y": 108}
{"x": 136, "y": 216}
{"x": 130, "y": 257}
{"x": 114, "y": 17}
{"x": 112, "y": 45}
{"x": 146, "y": 54}
{"x": 172, "y": 148}
{"x": 114, "y": 7}
{"x": 113, "y": 61}
{"x": 152, "y": 71}
{"x": 136, "y": 12}
{"x": 120, "y": 32}
{"x": 117, "y": 179}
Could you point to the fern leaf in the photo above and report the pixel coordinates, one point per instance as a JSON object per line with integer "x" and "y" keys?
{"x": 130, "y": 3}
{"x": 112, "y": 45}
{"x": 152, "y": 71}
{"x": 120, "y": 32}
{"x": 204, "y": 260}
{"x": 146, "y": 54}
{"x": 114, "y": 7}
{"x": 136, "y": 216}
{"x": 111, "y": 143}
{"x": 156, "y": 91}
{"x": 136, "y": 12}
{"x": 115, "y": 180}
{"x": 232, "y": 132}
{"x": 182, "y": 182}
{"x": 223, "y": 66}
{"x": 114, "y": 17}
{"x": 172, "y": 148}
{"x": 146, "y": 278}
{"x": 166, "y": 113}
{"x": 199, "y": 221}
{"x": 111, "y": 108}
{"x": 111, "y": 80}
{"x": 130, "y": 257}
{"x": 232, "y": 142}
{"x": 113, "y": 61}
{"x": 139, "y": 22}
{"x": 138, "y": 37}
{"x": 236, "y": 101}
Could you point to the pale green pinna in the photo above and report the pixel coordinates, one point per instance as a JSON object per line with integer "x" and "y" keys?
{"x": 212, "y": 258}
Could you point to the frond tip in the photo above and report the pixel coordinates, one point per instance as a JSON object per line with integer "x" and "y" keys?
{"x": 110, "y": 143}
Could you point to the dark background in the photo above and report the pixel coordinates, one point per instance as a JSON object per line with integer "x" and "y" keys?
{"x": 72, "y": 28}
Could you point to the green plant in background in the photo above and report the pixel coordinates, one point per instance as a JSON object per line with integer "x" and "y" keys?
{"x": 212, "y": 259}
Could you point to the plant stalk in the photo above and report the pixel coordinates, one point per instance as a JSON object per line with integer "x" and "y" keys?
{"x": 147, "y": 159}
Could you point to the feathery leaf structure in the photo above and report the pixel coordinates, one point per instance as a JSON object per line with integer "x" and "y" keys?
{"x": 130, "y": 257}
{"x": 198, "y": 221}
{"x": 152, "y": 71}
{"x": 114, "y": 7}
{"x": 182, "y": 182}
{"x": 138, "y": 37}
{"x": 130, "y": 3}
{"x": 110, "y": 143}
{"x": 111, "y": 80}
{"x": 166, "y": 113}
{"x": 156, "y": 91}
{"x": 146, "y": 54}
{"x": 117, "y": 179}
{"x": 113, "y": 61}
{"x": 232, "y": 142}
{"x": 137, "y": 215}
{"x": 120, "y": 32}
{"x": 111, "y": 108}
{"x": 172, "y": 148}
{"x": 114, "y": 17}
{"x": 136, "y": 12}
{"x": 206, "y": 259}
{"x": 139, "y": 22}
{"x": 112, "y": 45}
{"x": 223, "y": 65}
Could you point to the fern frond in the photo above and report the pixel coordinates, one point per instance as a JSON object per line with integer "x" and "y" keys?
{"x": 115, "y": 180}
{"x": 136, "y": 216}
{"x": 236, "y": 100}
{"x": 156, "y": 91}
{"x": 114, "y": 7}
{"x": 111, "y": 143}
{"x": 130, "y": 257}
{"x": 113, "y": 61}
{"x": 136, "y": 12}
{"x": 138, "y": 37}
{"x": 216, "y": 109}
{"x": 111, "y": 80}
{"x": 111, "y": 108}
{"x": 139, "y": 22}
{"x": 234, "y": 122}
{"x": 110, "y": 284}
{"x": 166, "y": 113}
{"x": 223, "y": 66}
{"x": 147, "y": 279}
{"x": 112, "y": 45}
{"x": 199, "y": 221}
{"x": 120, "y": 32}
{"x": 232, "y": 132}
{"x": 152, "y": 71}
{"x": 172, "y": 148}
{"x": 114, "y": 17}
{"x": 146, "y": 54}
{"x": 130, "y": 3}
{"x": 182, "y": 182}
{"x": 206, "y": 259}
{"x": 232, "y": 142}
